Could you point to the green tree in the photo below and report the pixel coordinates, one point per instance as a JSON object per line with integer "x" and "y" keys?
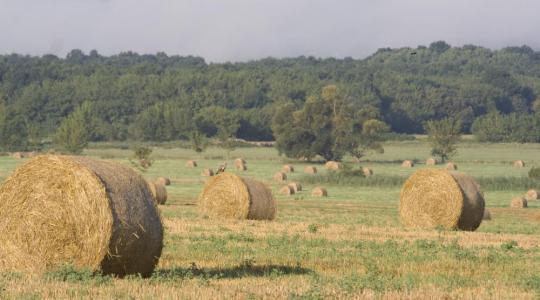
{"x": 75, "y": 131}
{"x": 443, "y": 136}
{"x": 370, "y": 139}
{"x": 222, "y": 123}
{"x": 198, "y": 140}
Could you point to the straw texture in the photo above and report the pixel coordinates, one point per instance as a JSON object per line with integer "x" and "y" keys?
{"x": 159, "y": 192}
{"x": 451, "y": 166}
{"x": 367, "y": 171}
{"x": 487, "y": 215}
{"x": 230, "y": 196}
{"x": 287, "y": 190}
{"x": 518, "y": 202}
{"x": 239, "y": 161}
{"x": 207, "y": 172}
{"x": 431, "y": 161}
{"x": 519, "y": 164}
{"x": 93, "y": 214}
{"x": 241, "y": 167}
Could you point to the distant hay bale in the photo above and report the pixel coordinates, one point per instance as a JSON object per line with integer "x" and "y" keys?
{"x": 191, "y": 164}
{"x": 431, "y": 198}
{"x": 239, "y": 161}
{"x": 207, "y": 172}
{"x": 297, "y": 187}
{"x": 487, "y": 215}
{"x": 518, "y": 202}
{"x": 280, "y": 176}
{"x": 17, "y": 155}
{"x": 287, "y": 190}
{"x": 93, "y": 214}
{"x": 287, "y": 168}
{"x": 407, "y": 164}
{"x": 367, "y": 171}
{"x": 163, "y": 181}
{"x": 241, "y": 167}
{"x": 319, "y": 192}
{"x": 232, "y": 197}
{"x": 159, "y": 192}
{"x": 333, "y": 165}
{"x": 532, "y": 195}
{"x": 431, "y": 161}
{"x": 310, "y": 170}
{"x": 519, "y": 164}
{"x": 451, "y": 166}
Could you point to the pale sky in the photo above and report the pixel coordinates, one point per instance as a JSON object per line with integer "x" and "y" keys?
{"x": 240, "y": 30}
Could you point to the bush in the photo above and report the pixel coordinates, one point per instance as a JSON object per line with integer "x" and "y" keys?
{"x": 534, "y": 173}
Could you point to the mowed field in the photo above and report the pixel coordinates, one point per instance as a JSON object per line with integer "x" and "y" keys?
{"x": 348, "y": 245}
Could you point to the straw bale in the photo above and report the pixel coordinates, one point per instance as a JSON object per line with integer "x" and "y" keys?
{"x": 451, "y": 166}
{"x": 297, "y": 187}
{"x": 232, "y": 197}
{"x": 158, "y": 191}
{"x": 163, "y": 181}
{"x": 518, "y": 202}
{"x": 280, "y": 176}
{"x": 310, "y": 170}
{"x": 191, "y": 164}
{"x": 487, "y": 215}
{"x": 319, "y": 192}
{"x": 367, "y": 171}
{"x": 93, "y": 214}
{"x": 407, "y": 164}
{"x": 519, "y": 164}
{"x": 287, "y": 168}
{"x": 431, "y": 198}
{"x": 241, "y": 167}
{"x": 431, "y": 161}
{"x": 17, "y": 155}
{"x": 239, "y": 161}
{"x": 287, "y": 190}
{"x": 532, "y": 195}
{"x": 207, "y": 172}
{"x": 333, "y": 165}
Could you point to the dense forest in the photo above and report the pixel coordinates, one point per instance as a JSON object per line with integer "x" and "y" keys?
{"x": 160, "y": 97}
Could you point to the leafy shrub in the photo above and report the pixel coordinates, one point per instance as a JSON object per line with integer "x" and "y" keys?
{"x": 534, "y": 173}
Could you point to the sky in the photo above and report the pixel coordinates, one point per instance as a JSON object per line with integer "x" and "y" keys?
{"x": 241, "y": 30}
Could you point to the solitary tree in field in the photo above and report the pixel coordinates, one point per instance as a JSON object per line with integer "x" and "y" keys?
{"x": 75, "y": 131}
{"x": 443, "y": 136}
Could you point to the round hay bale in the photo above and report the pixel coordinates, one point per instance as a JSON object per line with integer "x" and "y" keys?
{"x": 487, "y": 215}
{"x": 431, "y": 161}
{"x": 280, "y": 176}
{"x": 519, "y": 164}
{"x": 333, "y": 165}
{"x": 241, "y": 167}
{"x": 407, "y": 164}
{"x": 287, "y": 169}
{"x": 310, "y": 170}
{"x": 297, "y": 187}
{"x": 159, "y": 192}
{"x": 287, "y": 190}
{"x": 431, "y": 198}
{"x": 93, "y": 214}
{"x": 163, "y": 181}
{"x": 17, "y": 155}
{"x": 319, "y": 192}
{"x": 207, "y": 172}
{"x": 233, "y": 197}
{"x": 239, "y": 161}
{"x": 518, "y": 202}
{"x": 451, "y": 166}
{"x": 532, "y": 195}
{"x": 367, "y": 171}
{"x": 191, "y": 164}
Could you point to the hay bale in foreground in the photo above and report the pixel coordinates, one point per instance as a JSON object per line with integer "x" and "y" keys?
{"x": 163, "y": 181}
{"x": 487, "y": 215}
{"x": 367, "y": 171}
{"x": 319, "y": 192}
{"x": 280, "y": 176}
{"x": 241, "y": 167}
{"x": 518, "y": 202}
{"x": 297, "y": 187}
{"x": 310, "y": 170}
{"x": 431, "y": 161}
{"x": 159, "y": 192}
{"x": 519, "y": 164}
{"x": 431, "y": 198}
{"x": 532, "y": 195}
{"x": 207, "y": 172}
{"x": 191, "y": 164}
{"x": 407, "y": 164}
{"x": 287, "y": 190}
{"x": 287, "y": 168}
{"x": 451, "y": 166}
{"x": 64, "y": 209}
{"x": 232, "y": 197}
{"x": 333, "y": 165}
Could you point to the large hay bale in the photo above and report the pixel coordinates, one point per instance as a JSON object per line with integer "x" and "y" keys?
{"x": 241, "y": 167}
{"x": 310, "y": 170}
{"x": 518, "y": 202}
{"x": 431, "y": 198}
{"x": 333, "y": 165}
{"x": 431, "y": 161}
{"x": 319, "y": 192}
{"x": 451, "y": 166}
{"x": 207, "y": 172}
{"x": 519, "y": 164}
{"x": 407, "y": 164}
{"x": 532, "y": 195}
{"x": 367, "y": 171}
{"x": 191, "y": 164}
{"x": 487, "y": 215}
{"x": 287, "y": 168}
{"x": 239, "y": 161}
{"x": 159, "y": 192}
{"x": 93, "y": 214}
{"x": 280, "y": 176}
{"x": 233, "y": 197}
{"x": 297, "y": 187}
{"x": 287, "y": 190}
{"x": 163, "y": 181}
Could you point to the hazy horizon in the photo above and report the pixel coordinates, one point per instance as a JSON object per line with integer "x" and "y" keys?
{"x": 242, "y": 30}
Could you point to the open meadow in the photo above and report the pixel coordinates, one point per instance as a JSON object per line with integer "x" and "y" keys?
{"x": 347, "y": 245}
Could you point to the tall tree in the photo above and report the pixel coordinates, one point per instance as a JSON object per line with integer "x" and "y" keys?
{"x": 443, "y": 136}
{"x": 75, "y": 131}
